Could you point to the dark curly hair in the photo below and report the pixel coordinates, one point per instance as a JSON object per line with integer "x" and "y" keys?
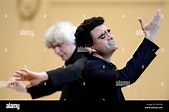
{"x": 82, "y": 33}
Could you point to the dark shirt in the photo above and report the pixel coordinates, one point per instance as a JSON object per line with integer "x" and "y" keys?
{"x": 62, "y": 79}
{"x": 102, "y": 81}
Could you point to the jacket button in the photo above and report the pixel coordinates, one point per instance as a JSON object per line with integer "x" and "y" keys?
{"x": 142, "y": 66}
{"x": 84, "y": 83}
{"x": 44, "y": 83}
{"x": 153, "y": 49}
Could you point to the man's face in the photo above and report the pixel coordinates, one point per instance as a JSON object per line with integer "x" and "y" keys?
{"x": 63, "y": 50}
{"x": 103, "y": 41}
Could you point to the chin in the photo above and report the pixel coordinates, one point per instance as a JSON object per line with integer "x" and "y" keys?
{"x": 64, "y": 59}
{"x": 115, "y": 48}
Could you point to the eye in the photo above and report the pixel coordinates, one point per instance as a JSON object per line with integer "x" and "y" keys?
{"x": 109, "y": 31}
{"x": 59, "y": 45}
{"x": 103, "y": 35}
{"x": 53, "y": 46}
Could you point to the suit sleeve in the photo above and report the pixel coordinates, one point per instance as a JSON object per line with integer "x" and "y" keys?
{"x": 43, "y": 89}
{"x": 57, "y": 78}
{"x": 68, "y": 73}
{"x": 140, "y": 60}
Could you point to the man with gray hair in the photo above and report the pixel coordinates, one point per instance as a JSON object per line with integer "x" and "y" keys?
{"x": 59, "y": 37}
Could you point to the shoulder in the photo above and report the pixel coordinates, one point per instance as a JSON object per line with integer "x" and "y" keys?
{"x": 94, "y": 63}
{"x": 80, "y": 56}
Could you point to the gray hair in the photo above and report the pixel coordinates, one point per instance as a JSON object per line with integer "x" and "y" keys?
{"x": 60, "y": 32}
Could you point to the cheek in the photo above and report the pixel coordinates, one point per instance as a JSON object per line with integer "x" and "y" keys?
{"x": 63, "y": 49}
{"x": 101, "y": 44}
{"x": 101, "y": 47}
{"x": 98, "y": 47}
{"x": 66, "y": 52}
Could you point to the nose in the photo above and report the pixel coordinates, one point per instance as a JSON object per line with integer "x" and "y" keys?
{"x": 109, "y": 36}
{"x": 57, "y": 50}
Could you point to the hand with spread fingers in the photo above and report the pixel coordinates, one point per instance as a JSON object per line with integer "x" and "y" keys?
{"x": 33, "y": 77}
{"x": 152, "y": 28}
{"x": 16, "y": 85}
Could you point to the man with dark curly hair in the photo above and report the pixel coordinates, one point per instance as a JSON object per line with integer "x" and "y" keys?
{"x": 100, "y": 79}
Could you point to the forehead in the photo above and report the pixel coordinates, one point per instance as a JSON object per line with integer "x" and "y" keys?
{"x": 56, "y": 43}
{"x": 98, "y": 30}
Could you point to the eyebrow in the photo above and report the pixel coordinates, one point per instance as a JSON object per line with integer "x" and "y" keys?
{"x": 58, "y": 44}
{"x": 101, "y": 34}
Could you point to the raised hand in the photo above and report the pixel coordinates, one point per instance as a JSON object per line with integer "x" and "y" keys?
{"x": 33, "y": 77}
{"x": 152, "y": 28}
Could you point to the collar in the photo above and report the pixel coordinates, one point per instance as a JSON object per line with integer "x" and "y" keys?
{"x": 72, "y": 58}
{"x": 110, "y": 64}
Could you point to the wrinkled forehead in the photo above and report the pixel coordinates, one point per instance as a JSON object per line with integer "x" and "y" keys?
{"x": 98, "y": 30}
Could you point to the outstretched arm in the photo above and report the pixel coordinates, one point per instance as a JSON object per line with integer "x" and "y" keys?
{"x": 141, "y": 59}
{"x": 34, "y": 77}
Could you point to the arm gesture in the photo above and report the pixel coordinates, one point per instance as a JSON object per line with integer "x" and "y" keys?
{"x": 152, "y": 28}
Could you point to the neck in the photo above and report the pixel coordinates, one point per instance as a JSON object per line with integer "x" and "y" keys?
{"x": 106, "y": 57}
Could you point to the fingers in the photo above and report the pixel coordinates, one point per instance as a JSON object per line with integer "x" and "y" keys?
{"x": 16, "y": 85}
{"x": 157, "y": 17}
{"x": 12, "y": 84}
{"x": 143, "y": 26}
{"x": 22, "y": 72}
{"x": 20, "y": 80}
{"x": 25, "y": 70}
{"x": 19, "y": 77}
{"x": 18, "y": 73}
{"x": 141, "y": 23}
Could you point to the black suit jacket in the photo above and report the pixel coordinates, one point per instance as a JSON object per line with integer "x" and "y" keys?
{"x": 62, "y": 79}
{"x": 102, "y": 81}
